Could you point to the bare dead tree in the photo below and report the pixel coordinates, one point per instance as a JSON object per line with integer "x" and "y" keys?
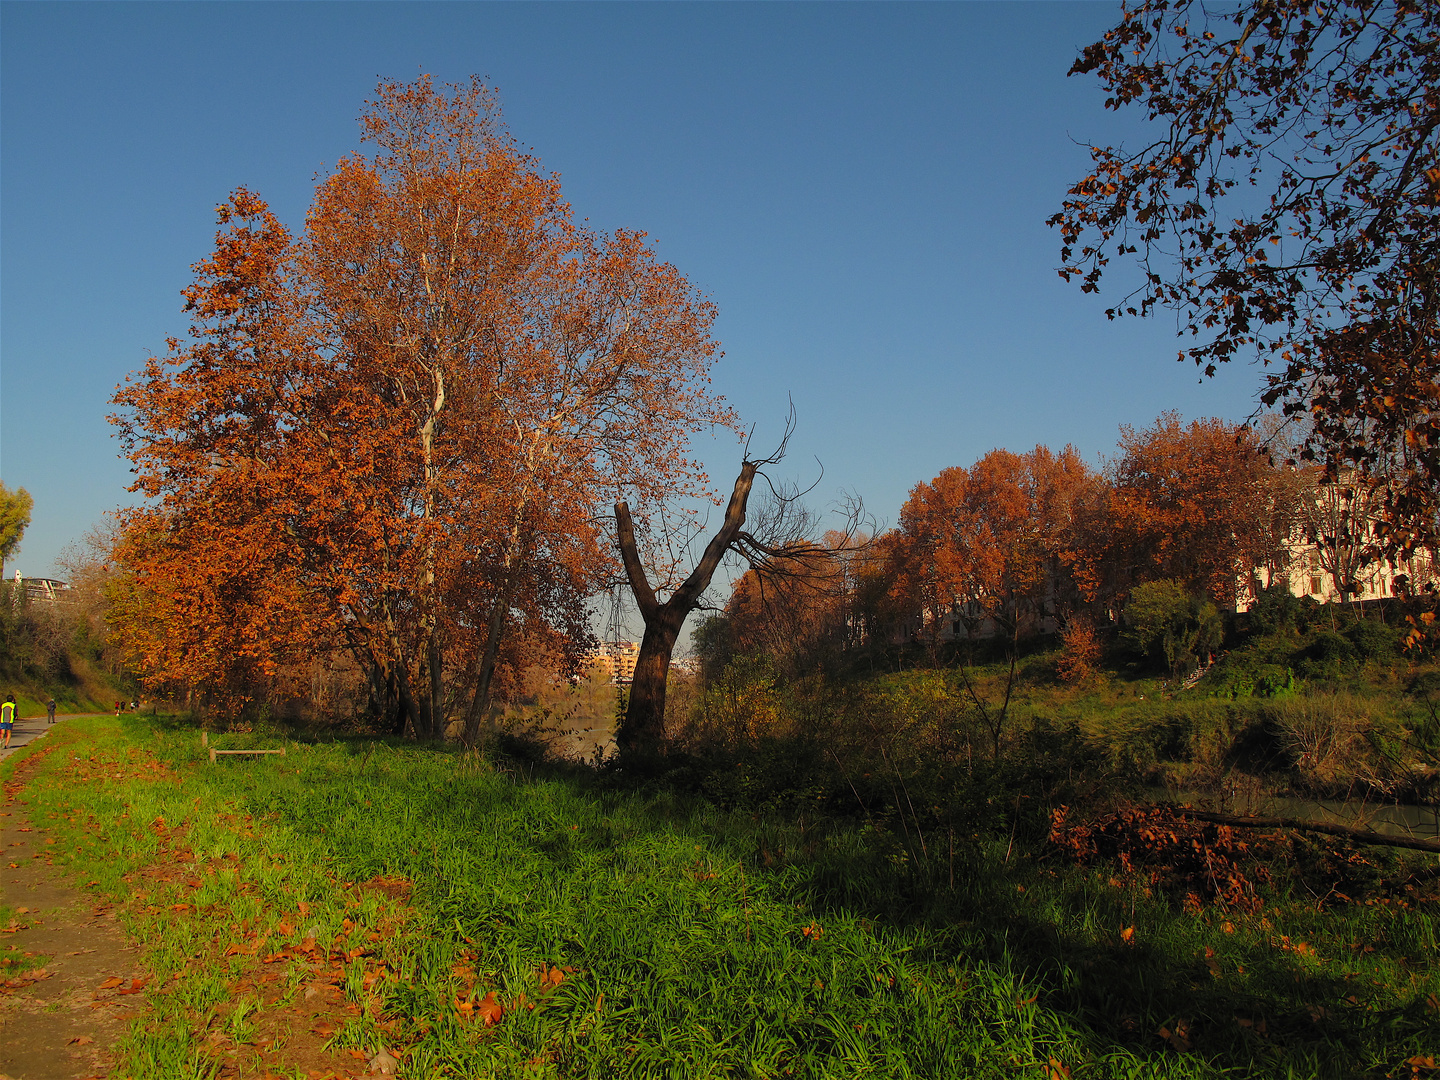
{"x": 778, "y": 543}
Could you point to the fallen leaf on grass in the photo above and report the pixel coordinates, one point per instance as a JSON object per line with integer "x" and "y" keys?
{"x": 1176, "y": 1038}
{"x": 1127, "y": 934}
{"x": 1054, "y": 1070}
{"x": 1258, "y": 1026}
{"x": 490, "y": 1010}
{"x": 135, "y": 987}
{"x": 112, "y": 982}
{"x": 359, "y": 1055}
{"x": 551, "y": 977}
{"x": 384, "y": 1064}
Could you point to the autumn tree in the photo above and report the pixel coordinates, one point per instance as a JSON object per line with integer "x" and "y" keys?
{"x": 801, "y": 612}
{"x": 412, "y": 416}
{"x": 15, "y": 507}
{"x": 984, "y": 543}
{"x": 1286, "y": 208}
{"x": 1201, "y": 505}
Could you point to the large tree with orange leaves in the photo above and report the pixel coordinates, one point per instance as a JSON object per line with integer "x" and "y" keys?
{"x": 420, "y": 407}
{"x": 1200, "y": 504}
{"x": 985, "y": 542}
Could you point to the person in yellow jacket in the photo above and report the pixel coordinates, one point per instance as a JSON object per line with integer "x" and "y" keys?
{"x": 7, "y": 719}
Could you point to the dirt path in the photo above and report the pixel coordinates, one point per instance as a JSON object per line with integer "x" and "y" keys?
{"x": 58, "y": 1021}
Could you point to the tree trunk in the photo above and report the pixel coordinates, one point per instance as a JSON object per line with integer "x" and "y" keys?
{"x": 435, "y": 660}
{"x": 1359, "y": 836}
{"x": 644, "y": 725}
{"x": 641, "y": 737}
{"x": 480, "y": 700}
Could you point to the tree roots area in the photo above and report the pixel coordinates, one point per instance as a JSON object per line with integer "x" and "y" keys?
{"x": 362, "y": 908}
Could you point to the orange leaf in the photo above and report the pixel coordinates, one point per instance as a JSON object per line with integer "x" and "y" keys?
{"x": 489, "y": 1009}
{"x": 112, "y": 982}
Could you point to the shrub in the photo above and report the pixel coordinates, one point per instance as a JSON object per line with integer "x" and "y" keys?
{"x": 1373, "y": 640}
{"x": 1322, "y": 734}
{"x": 1245, "y": 676}
{"x": 1171, "y": 627}
{"x": 1277, "y": 611}
{"x": 1080, "y": 656}
{"x": 1327, "y": 657}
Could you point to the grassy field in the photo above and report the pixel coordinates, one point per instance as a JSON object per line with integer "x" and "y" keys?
{"x": 481, "y": 919}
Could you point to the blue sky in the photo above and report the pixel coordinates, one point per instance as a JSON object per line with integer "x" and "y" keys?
{"x": 861, "y": 189}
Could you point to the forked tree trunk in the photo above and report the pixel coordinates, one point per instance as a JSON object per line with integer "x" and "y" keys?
{"x": 641, "y": 736}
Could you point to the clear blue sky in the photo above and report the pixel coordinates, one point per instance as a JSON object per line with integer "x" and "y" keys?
{"x": 861, "y": 189}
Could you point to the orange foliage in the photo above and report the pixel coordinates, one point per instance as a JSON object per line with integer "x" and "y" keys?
{"x": 986, "y": 541}
{"x": 396, "y": 434}
{"x": 1080, "y": 656}
{"x": 1199, "y": 504}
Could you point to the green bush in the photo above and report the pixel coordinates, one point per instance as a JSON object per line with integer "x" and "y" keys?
{"x": 1249, "y": 674}
{"x": 1373, "y": 640}
{"x": 1327, "y": 657}
{"x": 1277, "y": 611}
{"x": 1171, "y": 628}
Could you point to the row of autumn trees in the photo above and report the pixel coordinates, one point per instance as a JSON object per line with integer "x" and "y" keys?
{"x": 397, "y": 436}
{"x": 1019, "y": 538}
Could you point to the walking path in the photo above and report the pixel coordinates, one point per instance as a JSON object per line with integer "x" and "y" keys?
{"x": 58, "y": 1020}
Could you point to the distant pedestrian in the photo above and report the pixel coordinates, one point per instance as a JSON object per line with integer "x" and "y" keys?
{"x": 7, "y": 719}
{"x": 50, "y": 709}
{"x": 118, "y": 706}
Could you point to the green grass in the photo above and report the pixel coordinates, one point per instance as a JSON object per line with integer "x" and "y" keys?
{"x": 694, "y": 942}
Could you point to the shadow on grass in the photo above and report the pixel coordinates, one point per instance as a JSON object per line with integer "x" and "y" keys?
{"x": 1120, "y": 967}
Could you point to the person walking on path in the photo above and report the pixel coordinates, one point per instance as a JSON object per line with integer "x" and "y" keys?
{"x": 7, "y": 719}
{"x": 50, "y": 710}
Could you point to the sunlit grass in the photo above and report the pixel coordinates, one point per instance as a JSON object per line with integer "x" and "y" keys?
{"x": 688, "y": 942}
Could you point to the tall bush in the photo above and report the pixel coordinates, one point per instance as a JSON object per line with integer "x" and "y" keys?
{"x": 1171, "y": 627}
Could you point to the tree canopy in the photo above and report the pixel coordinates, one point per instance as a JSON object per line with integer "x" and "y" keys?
{"x": 1287, "y": 210}
{"x": 15, "y": 507}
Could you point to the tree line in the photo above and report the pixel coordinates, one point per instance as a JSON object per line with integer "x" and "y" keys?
{"x": 414, "y": 437}
{"x": 1207, "y": 513}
